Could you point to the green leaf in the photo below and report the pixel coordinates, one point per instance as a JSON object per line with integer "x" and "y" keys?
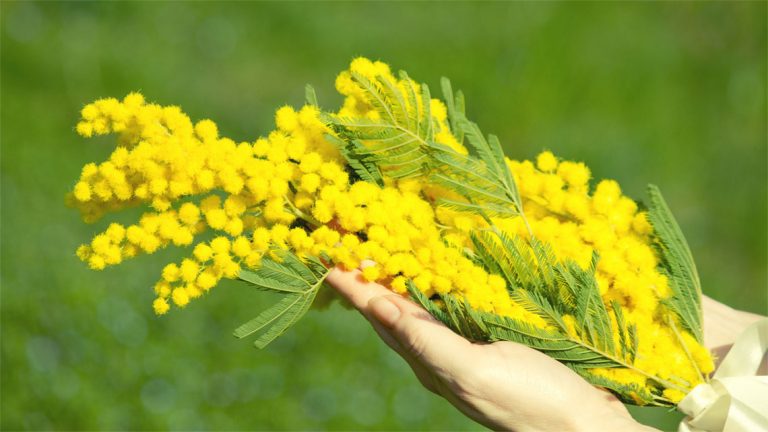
{"x": 398, "y": 142}
{"x": 455, "y": 106}
{"x": 536, "y": 303}
{"x": 310, "y": 96}
{"x": 555, "y": 344}
{"x": 460, "y": 111}
{"x": 426, "y": 129}
{"x": 297, "y": 282}
{"x": 492, "y": 254}
{"x": 478, "y": 209}
{"x": 397, "y": 100}
{"x": 414, "y": 115}
{"x": 270, "y": 283}
{"x": 627, "y": 393}
{"x": 450, "y": 103}
{"x": 352, "y": 152}
{"x": 677, "y": 263}
{"x": 269, "y": 316}
{"x": 425, "y": 302}
{"x": 591, "y": 314}
{"x": 290, "y": 316}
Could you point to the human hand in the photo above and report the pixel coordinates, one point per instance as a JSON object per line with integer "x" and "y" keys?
{"x": 502, "y": 385}
{"x": 722, "y": 324}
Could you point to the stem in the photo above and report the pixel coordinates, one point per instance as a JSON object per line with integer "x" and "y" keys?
{"x": 610, "y": 357}
{"x": 685, "y": 348}
{"x": 301, "y": 215}
{"x": 661, "y": 381}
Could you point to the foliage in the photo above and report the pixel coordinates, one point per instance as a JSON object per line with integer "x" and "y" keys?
{"x": 298, "y": 281}
{"x": 581, "y": 331}
{"x": 678, "y": 263}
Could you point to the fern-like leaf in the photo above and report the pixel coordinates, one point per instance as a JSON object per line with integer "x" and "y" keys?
{"x": 296, "y": 280}
{"x": 310, "y": 96}
{"x": 397, "y": 142}
{"x": 364, "y": 170}
{"x": 454, "y": 115}
{"x": 551, "y": 290}
{"x": 677, "y": 263}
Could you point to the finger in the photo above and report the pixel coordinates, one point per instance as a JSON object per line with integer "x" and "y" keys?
{"x": 425, "y": 376}
{"x": 359, "y": 293}
{"x": 421, "y": 336}
{"x": 351, "y": 285}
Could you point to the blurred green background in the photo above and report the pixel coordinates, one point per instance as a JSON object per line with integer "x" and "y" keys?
{"x": 670, "y": 93}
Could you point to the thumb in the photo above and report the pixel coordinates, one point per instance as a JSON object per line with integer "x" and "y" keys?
{"x": 417, "y": 335}
{"x": 420, "y": 335}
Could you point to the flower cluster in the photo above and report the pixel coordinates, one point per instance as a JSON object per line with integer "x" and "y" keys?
{"x": 287, "y": 190}
{"x": 293, "y": 190}
{"x": 562, "y": 212}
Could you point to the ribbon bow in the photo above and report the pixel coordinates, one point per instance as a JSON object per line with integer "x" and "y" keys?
{"x": 735, "y": 399}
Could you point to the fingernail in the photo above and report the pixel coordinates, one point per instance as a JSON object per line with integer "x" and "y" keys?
{"x": 367, "y": 263}
{"x": 384, "y": 310}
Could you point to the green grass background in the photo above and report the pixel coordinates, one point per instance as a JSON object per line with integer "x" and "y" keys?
{"x": 670, "y": 93}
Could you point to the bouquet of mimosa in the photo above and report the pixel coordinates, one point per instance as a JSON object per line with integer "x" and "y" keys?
{"x": 496, "y": 248}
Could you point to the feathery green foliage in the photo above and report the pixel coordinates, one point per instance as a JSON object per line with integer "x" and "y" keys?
{"x": 580, "y": 330}
{"x": 677, "y": 264}
{"x": 296, "y": 281}
{"x": 596, "y": 336}
{"x": 310, "y": 95}
{"x": 486, "y": 172}
{"x": 362, "y": 167}
{"x": 401, "y": 139}
{"x": 552, "y": 290}
{"x": 400, "y": 144}
{"x": 591, "y": 342}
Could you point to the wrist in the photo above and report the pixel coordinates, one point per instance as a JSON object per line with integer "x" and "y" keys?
{"x": 610, "y": 417}
{"x": 722, "y": 324}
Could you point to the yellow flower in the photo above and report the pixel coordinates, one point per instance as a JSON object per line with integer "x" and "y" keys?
{"x": 371, "y": 273}
{"x": 310, "y": 162}
{"x": 310, "y": 182}
{"x": 189, "y": 213}
{"x": 399, "y": 285}
{"x": 160, "y": 306}
{"x": 546, "y": 161}
{"x": 202, "y": 252}
{"x": 216, "y": 218}
{"x": 180, "y": 297}
{"x": 189, "y": 270}
{"x": 83, "y": 191}
{"x": 220, "y": 245}
{"x": 286, "y": 119}
{"x": 261, "y": 238}
{"x": 207, "y": 280}
{"x": 171, "y": 273}
{"x": 241, "y": 247}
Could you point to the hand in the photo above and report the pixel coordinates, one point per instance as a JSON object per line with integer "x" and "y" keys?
{"x": 502, "y": 385}
{"x": 722, "y": 324}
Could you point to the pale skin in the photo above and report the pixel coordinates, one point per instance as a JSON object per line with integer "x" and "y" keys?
{"x": 505, "y": 385}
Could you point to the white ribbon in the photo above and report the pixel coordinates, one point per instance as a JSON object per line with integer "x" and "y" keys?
{"x": 735, "y": 399}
